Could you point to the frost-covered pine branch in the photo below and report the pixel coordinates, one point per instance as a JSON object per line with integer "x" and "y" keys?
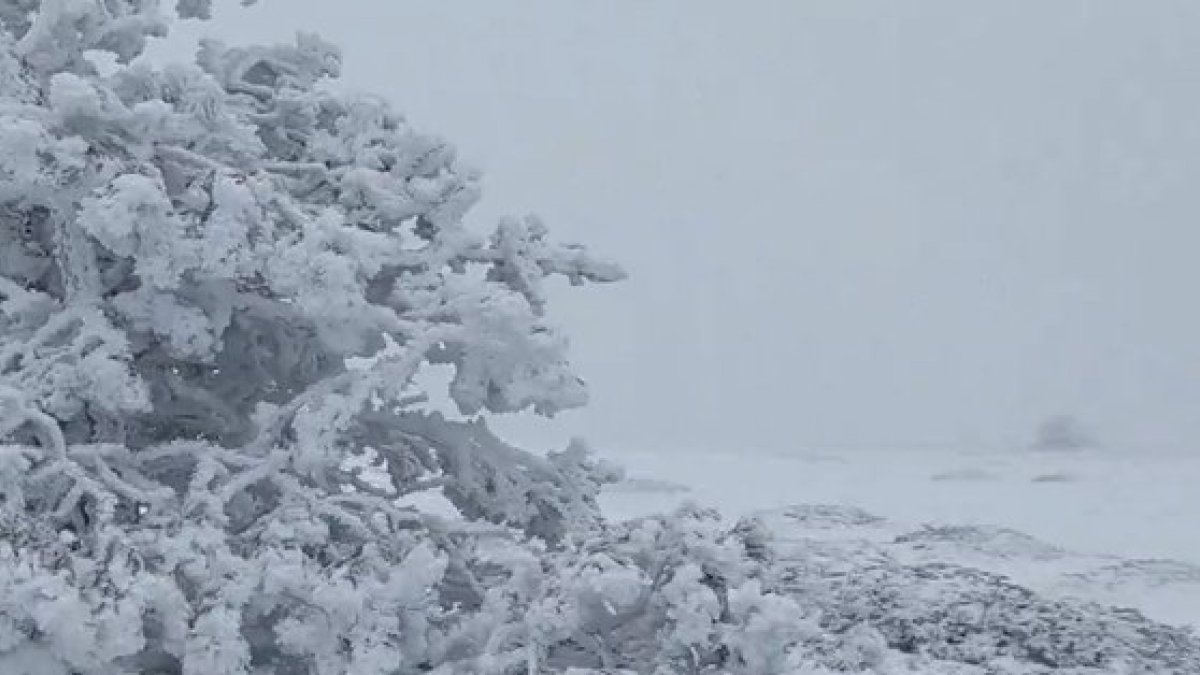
{"x": 217, "y": 284}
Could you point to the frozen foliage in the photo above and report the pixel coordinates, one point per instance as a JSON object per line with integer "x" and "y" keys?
{"x": 944, "y": 612}
{"x": 218, "y": 283}
{"x": 690, "y": 593}
{"x": 854, "y": 569}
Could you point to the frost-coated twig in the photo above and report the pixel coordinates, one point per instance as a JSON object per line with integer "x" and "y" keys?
{"x": 400, "y": 367}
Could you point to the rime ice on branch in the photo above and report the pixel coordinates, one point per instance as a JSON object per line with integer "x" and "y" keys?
{"x": 217, "y": 282}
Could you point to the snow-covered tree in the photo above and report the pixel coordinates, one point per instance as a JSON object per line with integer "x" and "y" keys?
{"x": 217, "y": 284}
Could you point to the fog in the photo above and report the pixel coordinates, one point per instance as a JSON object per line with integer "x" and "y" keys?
{"x": 847, "y": 224}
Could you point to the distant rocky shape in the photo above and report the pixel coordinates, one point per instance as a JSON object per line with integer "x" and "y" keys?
{"x": 1062, "y": 433}
{"x": 970, "y": 474}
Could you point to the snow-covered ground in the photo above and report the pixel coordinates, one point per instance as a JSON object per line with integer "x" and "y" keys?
{"x": 1121, "y": 530}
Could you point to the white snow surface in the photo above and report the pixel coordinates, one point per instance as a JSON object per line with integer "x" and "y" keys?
{"x": 1116, "y": 529}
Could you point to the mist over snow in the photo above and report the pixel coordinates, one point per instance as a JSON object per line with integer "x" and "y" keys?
{"x": 848, "y": 224}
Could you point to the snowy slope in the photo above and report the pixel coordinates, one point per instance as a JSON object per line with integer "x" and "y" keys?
{"x": 1114, "y": 530}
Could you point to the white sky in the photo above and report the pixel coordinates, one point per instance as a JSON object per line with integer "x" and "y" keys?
{"x": 848, "y": 223}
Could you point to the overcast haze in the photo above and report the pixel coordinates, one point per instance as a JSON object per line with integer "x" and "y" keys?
{"x": 848, "y": 224}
